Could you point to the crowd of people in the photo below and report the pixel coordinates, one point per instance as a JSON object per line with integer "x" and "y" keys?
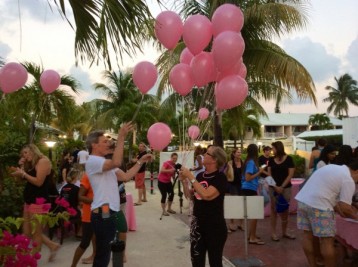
{"x": 93, "y": 184}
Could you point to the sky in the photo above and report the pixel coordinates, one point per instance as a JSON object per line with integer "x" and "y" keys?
{"x": 328, "y": 47}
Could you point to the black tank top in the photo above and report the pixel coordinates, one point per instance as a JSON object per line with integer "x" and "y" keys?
{"x": 32, "y": 192}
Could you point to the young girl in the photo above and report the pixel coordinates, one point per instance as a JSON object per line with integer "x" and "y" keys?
{"x": 250, "y": 184}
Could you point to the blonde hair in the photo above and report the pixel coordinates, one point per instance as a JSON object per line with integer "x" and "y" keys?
{"x": 73, "y": 175}
{"x": 36, "y": 156}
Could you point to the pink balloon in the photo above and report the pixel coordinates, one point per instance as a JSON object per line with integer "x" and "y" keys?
{"x": 227, "y": 17}
{"x": 13, "y": 76}
{"x": 228, "y": 48}
{"x": 186, "y": 56}
{"x": 197, "y": 33}
{"x": 50, "y": 80}
{"x": 230, "y": 92}
{"x": 203, "y": 114}
{"x": 232, "y": 71}
{"x": 181, "y": 78}
{"x": 168, "y": 29}
{"x": 243, "y": 70}
{"x": 203, "y": 69}
{"x": 159, "y": 136}
{"x": 193, "y": 132}
{"x": 145, "y": 75}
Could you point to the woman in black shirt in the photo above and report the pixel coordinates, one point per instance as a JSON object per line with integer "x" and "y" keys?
{"x": 281, "y": 168}
{"x": 208, "y": 230}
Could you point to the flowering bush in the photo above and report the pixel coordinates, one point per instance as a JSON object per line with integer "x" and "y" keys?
{"x": 18, "y": 250}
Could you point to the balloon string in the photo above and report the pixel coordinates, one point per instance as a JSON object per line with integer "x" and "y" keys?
{"x": 137, "y": 110}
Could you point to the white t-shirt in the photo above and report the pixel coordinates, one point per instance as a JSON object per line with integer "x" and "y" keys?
{"x": 327, "y": 186}
{"x": 82, "y": 156}
{"x": 104, "y": 183}
{"x": 320, "y": 164}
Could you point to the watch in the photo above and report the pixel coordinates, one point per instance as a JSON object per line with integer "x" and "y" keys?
{"x": 193, "y": 181}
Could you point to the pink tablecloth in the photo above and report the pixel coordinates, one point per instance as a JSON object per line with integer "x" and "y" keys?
{"x": 296, "y": 182}
{"x": 347, "y": 232}
{"x": 130, "y": 213}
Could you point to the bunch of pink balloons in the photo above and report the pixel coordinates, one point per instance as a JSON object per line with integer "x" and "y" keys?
{"x": 223, "y": 64}
{"x": 13, "y": 76}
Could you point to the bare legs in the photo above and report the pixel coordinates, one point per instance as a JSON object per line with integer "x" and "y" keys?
{"x": 326, "y": 246}
{"x": 38, "y": 236}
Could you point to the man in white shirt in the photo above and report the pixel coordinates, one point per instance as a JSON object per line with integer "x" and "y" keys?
{"x": 103, "y": 175}
{"x": 329, "y": 189}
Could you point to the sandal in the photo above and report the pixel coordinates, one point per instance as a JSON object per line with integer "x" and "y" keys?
{"x": 88, "y": 260}
{"x": 137, "y": 204}
{"x": 257, "y": 242}
{"x": 165, "y": 213}
{"x": 288, "y": 236}
{"x": 171, "y": 211}
{"x": 275, "y": 238}
{"x": 53, "y": 253}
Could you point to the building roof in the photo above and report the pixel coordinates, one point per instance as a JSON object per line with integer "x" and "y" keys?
{"x": 294, "y": 119}
{"x": 321, "y": 133}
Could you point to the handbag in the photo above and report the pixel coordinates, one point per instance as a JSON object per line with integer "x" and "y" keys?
{"x": 281, "y": 203}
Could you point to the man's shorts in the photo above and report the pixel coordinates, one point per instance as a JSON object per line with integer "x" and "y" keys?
{"x": 321, "y": 223}
{"x": 139, "y": 180}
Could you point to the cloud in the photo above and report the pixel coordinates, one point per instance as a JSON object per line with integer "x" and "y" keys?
{"x": 314, "y": 57}
{"x": 352, "y": 56}
{"x": 5, "y": 50}
{"x": 87, "y": 93}
{"x": 44, "y": 11}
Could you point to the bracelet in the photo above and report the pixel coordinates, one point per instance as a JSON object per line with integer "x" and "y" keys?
{"x": 139, "y": 163}
{"x": 23, "y": 175}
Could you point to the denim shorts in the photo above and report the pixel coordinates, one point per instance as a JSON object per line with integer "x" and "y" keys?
{"x": 321, "y": 223}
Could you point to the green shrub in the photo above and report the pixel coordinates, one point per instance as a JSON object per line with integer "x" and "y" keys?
{"x": 299, "y": 166}
{"x": 11, "y": 198}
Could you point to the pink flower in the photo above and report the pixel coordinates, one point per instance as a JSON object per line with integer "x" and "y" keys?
{"x": 46, "y": 207}
{"x": 62, "y": 202}
{"x": 71, "y": 211}
{"x": 40, "y": 200}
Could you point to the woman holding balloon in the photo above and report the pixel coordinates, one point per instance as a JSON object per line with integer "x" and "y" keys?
{"x": 208, "y": 231}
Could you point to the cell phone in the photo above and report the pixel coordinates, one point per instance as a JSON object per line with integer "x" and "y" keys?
{"x": 263, "y": 166}
{"x": 105, "y": 211}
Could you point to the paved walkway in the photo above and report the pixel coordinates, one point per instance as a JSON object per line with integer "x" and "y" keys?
{"x": 155, "y": 243}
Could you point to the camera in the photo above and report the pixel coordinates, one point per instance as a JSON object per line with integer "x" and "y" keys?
{"x": 177, "y": 166}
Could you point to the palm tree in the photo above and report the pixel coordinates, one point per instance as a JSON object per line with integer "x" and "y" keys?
{"x": 103, "y": 25}
{"x": 33, "y": 105}
{"x": 271, "y": 72}
{"x": 122, "y": 101}
{"x": 320, "y": 121}
{"x": 340, "y": 97}
{"x": 237, "y": 120}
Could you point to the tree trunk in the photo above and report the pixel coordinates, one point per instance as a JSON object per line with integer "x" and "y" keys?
{"x": 218, "y": 135}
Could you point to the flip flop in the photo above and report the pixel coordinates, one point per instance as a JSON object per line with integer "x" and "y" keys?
{"x": 256, "y": 242}
{"x": 275, "y": 238}
{"x": 144, "y": 200}
{"x": 171, "y": 211}
{"x": 288, "y": 236}
{"x": 87, "y": 261}
{"x": 137, "y": 204}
